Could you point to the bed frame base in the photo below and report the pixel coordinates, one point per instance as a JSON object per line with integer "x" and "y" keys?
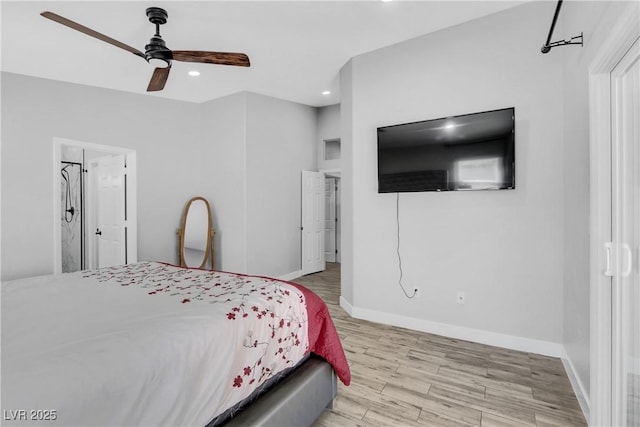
{"x": 297, "y": 401}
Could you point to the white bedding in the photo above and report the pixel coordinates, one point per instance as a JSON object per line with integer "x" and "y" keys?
{"x": 148, "y": 344}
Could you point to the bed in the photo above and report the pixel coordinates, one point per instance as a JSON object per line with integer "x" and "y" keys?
{"x": 155, "y": 344}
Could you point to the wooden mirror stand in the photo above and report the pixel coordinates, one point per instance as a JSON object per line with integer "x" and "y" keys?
{"x": 195, "y": 236}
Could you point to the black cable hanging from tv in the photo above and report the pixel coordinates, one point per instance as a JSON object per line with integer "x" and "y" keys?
{"x": 549, "y": 44}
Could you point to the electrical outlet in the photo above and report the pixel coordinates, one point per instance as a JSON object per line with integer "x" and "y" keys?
{"x": 460, "y": 297}
{"x": 416, "y": 292}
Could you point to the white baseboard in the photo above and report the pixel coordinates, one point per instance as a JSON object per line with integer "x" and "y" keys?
{"x": 578, "y": 388}
{"x": 290, "y": 276}
{"x": 346, "y": 306}
{"x": 512, "y": 342}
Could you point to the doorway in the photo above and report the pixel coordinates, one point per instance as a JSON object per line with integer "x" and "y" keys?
{"x": 332, "y": 218}
{"x": 320, "y": 227}
{"x": 625, "y": 290}
{"x": 72, "y": 215}
{"x": 615, "y": 228}
{"x": 94, "y": 206}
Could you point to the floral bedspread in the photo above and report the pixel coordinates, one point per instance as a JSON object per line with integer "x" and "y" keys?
{"x": 276, "y": 331}
{"x": 156, "y": 344}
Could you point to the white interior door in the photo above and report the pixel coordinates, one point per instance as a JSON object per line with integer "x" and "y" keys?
{"x": 110, "y": 232}
{"x": 625, "y": 337}
{"x": 330, "y": 220}
{"x": 313, "y": 233}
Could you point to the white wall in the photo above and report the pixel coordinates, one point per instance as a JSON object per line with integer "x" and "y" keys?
{"x": 164, "y": 133}
{"x": 348, "y": 165}
{"x": 223, "y": 178}
{"x": 281, "y": 139}
{"x": 328, "y": 129}
{"x": 504, "y": 249}
{"x": 254, "y": 150}
{"x": 244, "y": 152}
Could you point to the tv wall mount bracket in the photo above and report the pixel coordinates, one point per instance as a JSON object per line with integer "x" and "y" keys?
{"x": 549, "y": 44}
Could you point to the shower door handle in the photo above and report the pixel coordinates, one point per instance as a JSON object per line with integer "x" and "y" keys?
{"x": 98, "y": 232}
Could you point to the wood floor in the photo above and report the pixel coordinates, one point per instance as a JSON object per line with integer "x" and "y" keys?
{"x": 407, "y": 378}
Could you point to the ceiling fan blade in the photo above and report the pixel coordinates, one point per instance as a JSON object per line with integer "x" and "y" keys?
{"x": 222, "y": 58}
{"x": 158, "y": 79}
{"x": 88, "y": 31}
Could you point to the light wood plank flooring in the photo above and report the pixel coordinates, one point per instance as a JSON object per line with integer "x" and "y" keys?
{"x": 407, "y": 378}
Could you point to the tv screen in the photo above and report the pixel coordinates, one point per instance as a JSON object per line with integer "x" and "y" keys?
{"x": 467, "y": 152}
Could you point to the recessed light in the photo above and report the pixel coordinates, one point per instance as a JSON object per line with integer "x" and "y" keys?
{"x": 326, "y": 92}
{"x": 194, "y": 73}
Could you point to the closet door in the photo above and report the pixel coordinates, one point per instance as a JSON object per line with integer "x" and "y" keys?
{"x": 625, "y": 339}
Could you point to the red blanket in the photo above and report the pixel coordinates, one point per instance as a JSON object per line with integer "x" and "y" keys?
{"x": 323, "y": 337}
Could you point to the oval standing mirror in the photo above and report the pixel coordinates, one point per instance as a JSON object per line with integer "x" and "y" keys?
{"x": 195, "y": 245}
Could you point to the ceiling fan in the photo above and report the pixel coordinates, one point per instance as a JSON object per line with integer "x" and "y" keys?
{"x": 156, "y": 52}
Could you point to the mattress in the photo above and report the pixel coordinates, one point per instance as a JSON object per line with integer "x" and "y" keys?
{"x": 152, "y": 344}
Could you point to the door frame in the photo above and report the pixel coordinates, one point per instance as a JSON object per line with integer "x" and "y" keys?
{"x": 83, "y": 221}
{"x": 337, "y": 174}
{"x": 132, "y": 197}
{"x": 624, "y": 33}
{"x": 329, "y": 203}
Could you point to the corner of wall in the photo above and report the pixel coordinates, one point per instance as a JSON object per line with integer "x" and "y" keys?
{"x": 579, "y": 389}
{"x": 346, "y": 135}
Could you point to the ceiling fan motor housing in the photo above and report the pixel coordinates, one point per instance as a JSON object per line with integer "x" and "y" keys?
{"x": 156, "y": 52}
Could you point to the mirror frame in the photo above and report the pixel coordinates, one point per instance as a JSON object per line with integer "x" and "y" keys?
{"x": 208, "y": 255}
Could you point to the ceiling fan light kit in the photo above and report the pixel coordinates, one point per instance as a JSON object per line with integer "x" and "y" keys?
{"x": 156, "y": 52}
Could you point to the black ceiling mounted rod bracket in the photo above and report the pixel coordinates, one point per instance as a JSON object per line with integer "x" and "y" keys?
{"x": 549, "y": 44}
{"x": 572, "y": 40}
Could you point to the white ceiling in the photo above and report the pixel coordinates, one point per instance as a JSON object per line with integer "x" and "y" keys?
{"x": 296, "y": 47}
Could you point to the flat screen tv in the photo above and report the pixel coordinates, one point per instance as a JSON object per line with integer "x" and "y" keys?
{"x": 466, "y": 152}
